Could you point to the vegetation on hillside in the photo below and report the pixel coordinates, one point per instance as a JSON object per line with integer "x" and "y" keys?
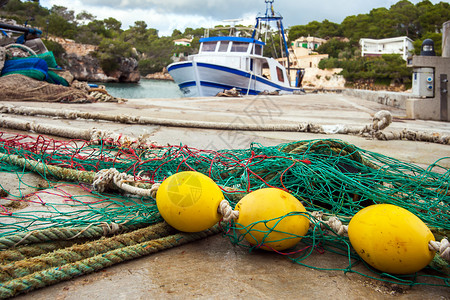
{"x": 418, "y": 22}
{"x": 154, "y": 52}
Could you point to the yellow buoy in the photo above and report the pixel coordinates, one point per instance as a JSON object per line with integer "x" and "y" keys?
{"x": 391, "y": 239}
{"x": 188, "y": 201}
{"x": 266, "y": 204}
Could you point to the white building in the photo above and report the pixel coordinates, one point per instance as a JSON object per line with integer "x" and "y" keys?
{"x": 399, "y": 45}
{"x": 182, "y": 42}
{"x": 309, "y": 43}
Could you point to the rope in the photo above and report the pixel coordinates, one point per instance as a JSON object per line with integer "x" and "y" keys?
{"x": 100, "y": 180}
{"x": 45, "y": 170}
{"x": 333, "y": 222}
{"x": 104, "y": 178}
{"x": 227, "y": 211}
{"x": 82, "y": 251}
{"x": 381, "y": 120}
{"x": 23, "y": 47}
{"x": 93, "y": 135}
{"x": 24, "y": 252}
{"x": 60, "y": 234}
{"x": 442, "y": 247}
{"x": 31, "y": 281}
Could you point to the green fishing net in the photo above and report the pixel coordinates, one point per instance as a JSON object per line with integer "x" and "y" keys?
{"x": 328, "y": 176}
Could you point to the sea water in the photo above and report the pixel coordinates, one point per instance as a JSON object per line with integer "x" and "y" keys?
{"x": 146, "y": 88}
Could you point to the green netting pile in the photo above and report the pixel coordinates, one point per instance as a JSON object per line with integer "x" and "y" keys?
{"x": 326, "y": 175}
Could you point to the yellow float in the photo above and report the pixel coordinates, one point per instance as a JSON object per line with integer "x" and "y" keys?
{"x": 391, "y": 239}
{"x": 188, "y": 201}
{"x": 266, "y": 204}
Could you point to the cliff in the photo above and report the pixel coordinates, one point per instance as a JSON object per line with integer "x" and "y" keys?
{"x": 86, "y": 67}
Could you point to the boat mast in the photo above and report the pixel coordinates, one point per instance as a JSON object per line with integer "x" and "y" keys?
{"x": 272, "y": 16}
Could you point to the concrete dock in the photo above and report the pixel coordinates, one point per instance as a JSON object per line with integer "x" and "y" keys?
{"x": 213, "y": 268}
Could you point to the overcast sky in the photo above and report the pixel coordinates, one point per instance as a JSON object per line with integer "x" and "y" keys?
{"x": 167, "y": 15}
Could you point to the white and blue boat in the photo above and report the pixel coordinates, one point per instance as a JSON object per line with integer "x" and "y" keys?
{"x": 226, "y": 62}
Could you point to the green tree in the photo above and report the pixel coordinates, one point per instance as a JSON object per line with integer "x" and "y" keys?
{"x": 176, "y": 34}
{"x": 431, "y": 17}
{"x": 405, "y": 15}
{"x": 110, "y": 51}
{"x": 85, "y": 17}
{"x": 64, "y": 13}
{"x": 335, "y": 47}
{"x": 59, "y": 26}
{"x": 195, "y": 33}
{"x": 112, "y": 25}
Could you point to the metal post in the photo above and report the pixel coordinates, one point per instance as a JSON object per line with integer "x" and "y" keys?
{"x": 444, "y": 97}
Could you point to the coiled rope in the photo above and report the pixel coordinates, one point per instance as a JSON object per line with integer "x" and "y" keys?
{"x": 381, "y": 121}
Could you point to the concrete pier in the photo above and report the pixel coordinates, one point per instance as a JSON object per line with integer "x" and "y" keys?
{"x": 213, "y": 268}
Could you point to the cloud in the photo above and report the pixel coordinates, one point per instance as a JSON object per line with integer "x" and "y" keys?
{"x": 166, "y": 15}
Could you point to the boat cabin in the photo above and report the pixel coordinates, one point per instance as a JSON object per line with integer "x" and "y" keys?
{"x": 242, "y": 53}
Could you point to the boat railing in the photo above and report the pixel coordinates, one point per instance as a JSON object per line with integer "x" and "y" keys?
{"x": 232, "y": 31}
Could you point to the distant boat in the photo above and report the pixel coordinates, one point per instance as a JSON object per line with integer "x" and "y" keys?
{"x": 226, "y": 62}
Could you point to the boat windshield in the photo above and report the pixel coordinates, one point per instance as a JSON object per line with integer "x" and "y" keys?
{"x": 209, "y": 46}
{"x": 239, "y": 47}
{"x": 258, "y": 49}
{"x": 223, "y": 46}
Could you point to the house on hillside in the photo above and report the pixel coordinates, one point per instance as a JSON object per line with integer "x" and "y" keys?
{"x": 304, "y": 45}
{"x": 399, "y": 45}
{"x": 302, "y": 52}
{"x": 181, "y": 56}
{"x": 182, "y": 42}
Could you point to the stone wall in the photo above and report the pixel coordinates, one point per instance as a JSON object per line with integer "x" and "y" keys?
{"x": 393, "y": 99}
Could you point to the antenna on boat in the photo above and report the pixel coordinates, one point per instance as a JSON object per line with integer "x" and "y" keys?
{"x": 233, "y": 30}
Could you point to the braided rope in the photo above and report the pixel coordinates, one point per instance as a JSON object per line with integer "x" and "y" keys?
{"x": 442, "y": 247}
{"x": 227, "y": 211}
{"x": 97, "y": 262}
{"x": 106, "y": 177}
{"x": 380, "y": 121}
{"x": 79, "y": 252}
{"x": 57, "y": 234}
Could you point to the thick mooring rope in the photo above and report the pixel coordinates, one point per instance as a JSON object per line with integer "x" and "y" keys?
{"x": 381, "y": 121}
{"x": 63, "y": 234}
{"x": 93, "y": 135}
{"x": 79, "y": 252}
{"x": 26, "y": 279}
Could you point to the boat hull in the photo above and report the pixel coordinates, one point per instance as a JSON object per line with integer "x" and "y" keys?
{"x": 198, "y": 79}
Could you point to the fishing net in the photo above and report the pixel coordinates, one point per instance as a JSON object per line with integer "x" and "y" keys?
{"x": 18, "y": 87}
{"x": 328, "y": 176}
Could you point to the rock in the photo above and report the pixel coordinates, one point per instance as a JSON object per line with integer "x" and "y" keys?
{"x": 85, "y": 67}
{"x": 164, "y": 75}
{"x": 128, "y": 70}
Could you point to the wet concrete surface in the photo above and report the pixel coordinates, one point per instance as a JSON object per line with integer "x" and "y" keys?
{"x": 213, "y": 268}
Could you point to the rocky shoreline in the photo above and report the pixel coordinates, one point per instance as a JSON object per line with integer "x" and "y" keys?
{"x": 86, "y": 67}
{"x": 164, "y": 75}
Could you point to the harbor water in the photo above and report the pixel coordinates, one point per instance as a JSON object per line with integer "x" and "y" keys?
{"x": 146, "y": 88}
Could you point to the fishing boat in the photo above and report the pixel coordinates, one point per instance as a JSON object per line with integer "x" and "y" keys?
{"x": 236, "y": 61}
